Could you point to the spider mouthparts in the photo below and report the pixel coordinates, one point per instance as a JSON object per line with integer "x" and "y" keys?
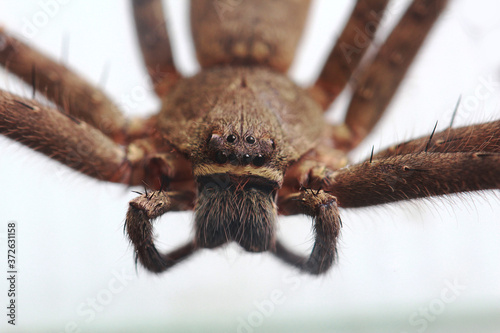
{"x": 243, "y": 211}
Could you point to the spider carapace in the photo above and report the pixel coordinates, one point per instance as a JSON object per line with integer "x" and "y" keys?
{"x": 239, "y": 143}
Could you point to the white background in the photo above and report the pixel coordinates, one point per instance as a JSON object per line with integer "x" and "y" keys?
{"x": 394, "y": 260}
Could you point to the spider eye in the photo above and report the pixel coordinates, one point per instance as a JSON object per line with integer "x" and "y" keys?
{"x": 259, "y": 160}
{"x": 232, "y": 157}
{"x": 246, "y": 159}
{"x": 221, "y": 157}
{"x": 250, "y": 139}
{"x": 231, "y": 138}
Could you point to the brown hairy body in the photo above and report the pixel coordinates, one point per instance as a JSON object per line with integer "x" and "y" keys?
{"x": 240, "y": 142}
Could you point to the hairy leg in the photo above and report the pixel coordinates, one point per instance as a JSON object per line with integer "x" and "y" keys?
{"x": 76, "y": 96}
{"x": 138, "y": 225}
{"x": 63, "y": 138}
{"x": 153, "y": 38}
{"x": 84, "y": 148}
{"x": 348, "y": 51}
{"x": 452, "y": 161}
{"x": 411, "y": 176}
{"x": 322, "y": 207}
{"x": 476, "y": 138}
{"x": 379, "y": 81}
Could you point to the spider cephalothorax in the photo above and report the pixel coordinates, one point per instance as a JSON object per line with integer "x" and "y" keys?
{"x": 240, "y": 143}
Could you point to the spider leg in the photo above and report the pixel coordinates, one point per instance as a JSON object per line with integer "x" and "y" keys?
{"x": 410, "y": 176}
{"x": 378, "y": 82}
{"x": 452, "y": 161}
{"x": 350, "y": 47}
{"x": 153, "y": 38}
{"x": 138, "y": 225}
{"x": 322, "y": 207}
{"x": 475, "y": 138}
{"x": 65, "y": 88}
{"x": 84, "y": 148}
{"x": 455, "y": 160}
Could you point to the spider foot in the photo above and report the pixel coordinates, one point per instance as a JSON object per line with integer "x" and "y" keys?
{"x": 138, "y": 225}
{"x": 322, "y": 206}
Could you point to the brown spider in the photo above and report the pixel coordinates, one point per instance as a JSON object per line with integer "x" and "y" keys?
{"x": 240, "y": 143}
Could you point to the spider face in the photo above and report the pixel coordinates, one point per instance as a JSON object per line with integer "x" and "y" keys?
{"x": 240, "y": 148}
{"x": 237, "y": 190}
{"x": 237, "y": 187}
